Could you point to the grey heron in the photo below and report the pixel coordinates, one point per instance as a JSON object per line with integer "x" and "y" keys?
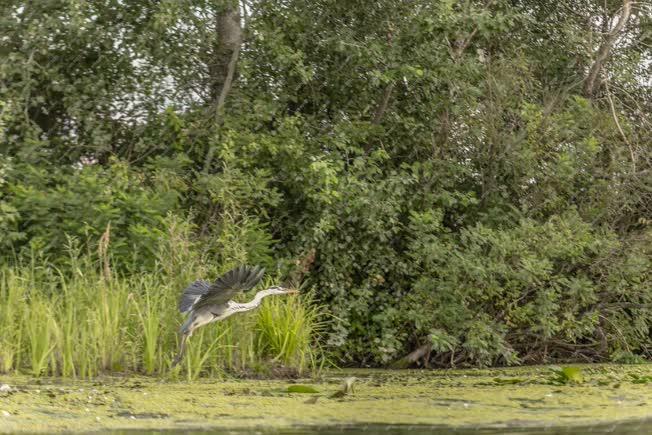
{"x": 207, "y": 303}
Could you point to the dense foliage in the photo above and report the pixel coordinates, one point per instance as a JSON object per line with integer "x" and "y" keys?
{"x": 472, "y": 178}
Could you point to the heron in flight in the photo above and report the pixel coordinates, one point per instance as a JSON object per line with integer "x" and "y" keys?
{"x": 207, "y": 303}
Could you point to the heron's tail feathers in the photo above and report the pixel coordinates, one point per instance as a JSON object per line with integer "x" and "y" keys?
{"x": 191, "y": 294}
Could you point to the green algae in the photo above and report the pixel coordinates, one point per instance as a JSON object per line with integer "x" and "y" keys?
{"x": 457, "y": 398}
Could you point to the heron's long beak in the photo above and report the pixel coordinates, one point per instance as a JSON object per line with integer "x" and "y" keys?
{"x": 292, "y": 291}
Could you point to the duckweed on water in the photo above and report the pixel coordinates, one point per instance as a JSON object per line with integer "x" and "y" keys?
{"x": 455, "y": 398}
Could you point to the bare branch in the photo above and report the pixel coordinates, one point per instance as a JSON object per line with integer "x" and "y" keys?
{"x": 620, "y": 129}
{"x": 605, "y": 49}
{"x": 382, "y": 107}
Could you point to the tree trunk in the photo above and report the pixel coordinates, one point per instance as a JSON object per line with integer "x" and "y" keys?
{"x": 422, "y": 352}
{"x": 227, "y": 49}
{"x": 605, "y": 49}
{"x": 222, "y": 69}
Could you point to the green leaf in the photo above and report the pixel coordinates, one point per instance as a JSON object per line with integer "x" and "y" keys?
{"x": 569, "y": 375}
{"x": 303, "y": 389}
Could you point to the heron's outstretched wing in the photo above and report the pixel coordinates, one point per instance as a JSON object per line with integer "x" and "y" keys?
{"x": 239, "y": 279}
{"x": 191, "y": 294}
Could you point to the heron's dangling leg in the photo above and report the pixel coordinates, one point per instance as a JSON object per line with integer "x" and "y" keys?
{"x": 182, "y": 349}
{"x": 186, "y": 331}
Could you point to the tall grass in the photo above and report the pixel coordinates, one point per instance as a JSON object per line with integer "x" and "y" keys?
{"x": 84, "y": 323}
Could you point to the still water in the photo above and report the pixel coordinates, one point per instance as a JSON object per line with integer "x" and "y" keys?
{"x": 630, "y": 428}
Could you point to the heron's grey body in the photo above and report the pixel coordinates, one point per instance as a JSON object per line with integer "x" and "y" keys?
{"x": 207, "y": 303}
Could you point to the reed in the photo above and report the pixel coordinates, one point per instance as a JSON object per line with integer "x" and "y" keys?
{"x": 84, "y": 323}
{"x": 12, "y": 295}
{"x": 287, "y": 330}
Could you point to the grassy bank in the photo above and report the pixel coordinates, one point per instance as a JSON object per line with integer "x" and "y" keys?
{"x": 531, "y": 396}
{"x": 90, "y": 323}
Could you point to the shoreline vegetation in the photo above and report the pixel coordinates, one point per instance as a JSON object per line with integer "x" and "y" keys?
{"x": 472, "y": 398}
{"x": 80, "y": 318}
{"x": 89, "y": 324}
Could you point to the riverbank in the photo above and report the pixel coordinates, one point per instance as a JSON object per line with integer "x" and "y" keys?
{"x": 531, "y": 396}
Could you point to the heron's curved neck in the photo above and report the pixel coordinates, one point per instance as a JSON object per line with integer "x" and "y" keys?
{"x": 254, "y": 303}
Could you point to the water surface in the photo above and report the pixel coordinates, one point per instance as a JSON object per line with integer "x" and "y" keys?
{"x": 607, "y": 399}
{"x": 625, "y": 428}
